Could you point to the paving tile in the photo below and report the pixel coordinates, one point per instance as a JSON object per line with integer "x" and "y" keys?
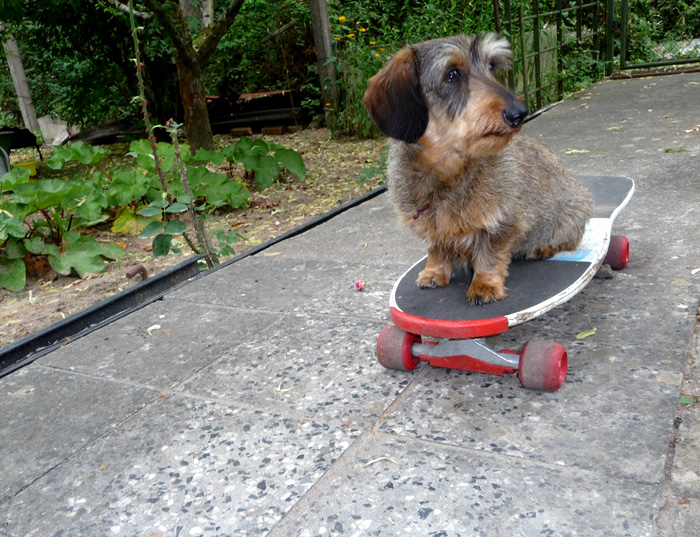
{"x": 182, "y": 467}
{"x": 48, "y": 415}
{"x": 390, "y": 486}
{"x": 283, "y": 284}
{"x": 161, "y": 344}
{"x": 313, "y": 366}
{"x": 368, "y": 233}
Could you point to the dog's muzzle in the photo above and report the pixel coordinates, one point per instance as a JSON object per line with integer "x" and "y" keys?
{"x": 515, "y": 115}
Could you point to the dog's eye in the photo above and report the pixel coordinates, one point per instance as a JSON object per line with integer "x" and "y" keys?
{"x": 453, "y": 75}
{"x": 492, "y": 66}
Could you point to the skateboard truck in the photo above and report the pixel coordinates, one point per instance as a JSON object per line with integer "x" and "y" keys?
{"x": 541, "y": 365}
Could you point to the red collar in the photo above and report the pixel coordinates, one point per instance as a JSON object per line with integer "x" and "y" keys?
{"x": 420, "y": 211}
{"x": 423, "y": 209}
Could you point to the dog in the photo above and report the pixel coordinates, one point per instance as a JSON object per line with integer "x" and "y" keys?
{"x": 458, "y": 173}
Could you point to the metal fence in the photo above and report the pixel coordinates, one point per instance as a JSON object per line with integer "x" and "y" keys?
{"x": 663, "y": 53}
{"x": 544, "y": 34}
{"x": 559, "y": 46}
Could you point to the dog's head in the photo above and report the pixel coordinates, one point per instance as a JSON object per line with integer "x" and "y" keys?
{"x": 445, "y": 91}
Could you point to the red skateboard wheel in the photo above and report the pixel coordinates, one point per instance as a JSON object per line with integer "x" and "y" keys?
{"x": 618, "y": 252}
{"x": 394, "y": 349}
{"x": 543, "y": 365}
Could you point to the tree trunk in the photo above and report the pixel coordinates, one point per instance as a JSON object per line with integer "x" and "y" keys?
{"x": 191, "y": 59}
{"x": 326, "y": 68}
{"x": 194, "y": 104}
{"x": 207, "y": 13}
{"x": 19, "y": 79}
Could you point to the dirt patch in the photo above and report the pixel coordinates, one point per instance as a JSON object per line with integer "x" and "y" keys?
{"x": 332, "y": 179}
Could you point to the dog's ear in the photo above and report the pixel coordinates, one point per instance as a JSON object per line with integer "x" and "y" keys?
{"x": 395, "y": 100}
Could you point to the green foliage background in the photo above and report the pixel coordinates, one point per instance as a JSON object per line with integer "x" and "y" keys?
{"x": 77, "y": 53}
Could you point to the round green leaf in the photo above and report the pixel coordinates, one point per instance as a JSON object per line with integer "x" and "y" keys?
{"x": 161, "y": 245}
{"x": 13, "y": 274}
{"x": 266, "y": 171}
{"x": 176, "y": 208}
{"x": 15, "y": 249}
{"x": 150, "y": 230}
{"x": 149, "y": 211}
{"x": 175, "y": 227}
{"x": 111, "y": 250}
{"x": 292, "y": 161}
{"x": 14, "y": 177}
{"x": 35, "y": 245}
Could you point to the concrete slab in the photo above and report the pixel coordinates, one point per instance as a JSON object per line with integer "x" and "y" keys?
{"x": 162, "y": 344}
{"x": 593, "y": 424}
{"x": 401, "y": 486}
{"x": 369, "y": 234}
{"x": 313, "y": 366}
{"x": 49, "y": 415}
{"x": 272, "y": 281}
{"x": 182, "y": 467}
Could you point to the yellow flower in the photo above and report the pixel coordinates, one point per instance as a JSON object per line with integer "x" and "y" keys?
{"x": 351, "y": 35}
{"x": 362, "y": 30}
{"x": 328, "y": 104}
{"x": 341, "y": 18}
{"x": 372, "y": 42}
{"x": 377, "y": 55}
{"x": 381, "y": 48}
{"x": 337, "y": 38}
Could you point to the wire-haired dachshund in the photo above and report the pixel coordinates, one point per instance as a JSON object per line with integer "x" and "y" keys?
{"x": 459, "y": 174}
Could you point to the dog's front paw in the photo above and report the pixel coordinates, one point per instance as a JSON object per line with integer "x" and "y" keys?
{"x": 430, "y": 278}
{"x": 481, "y": 291}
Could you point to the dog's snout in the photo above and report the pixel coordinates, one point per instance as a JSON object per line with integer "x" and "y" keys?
{"x": 515, "y": 115}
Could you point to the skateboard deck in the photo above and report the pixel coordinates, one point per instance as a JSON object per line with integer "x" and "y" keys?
{"x": 534, "y": 287}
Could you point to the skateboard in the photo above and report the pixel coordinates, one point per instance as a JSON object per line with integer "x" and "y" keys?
{"x": 442, "y": 327}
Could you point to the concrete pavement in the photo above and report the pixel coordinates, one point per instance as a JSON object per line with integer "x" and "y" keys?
{"x": 257, "y": 407}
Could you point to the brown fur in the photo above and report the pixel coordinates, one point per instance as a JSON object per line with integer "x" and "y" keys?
{"x": 459, "y": 174}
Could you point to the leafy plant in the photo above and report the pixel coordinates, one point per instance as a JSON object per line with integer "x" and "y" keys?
{"x": 264, "y": 161}
{"x": 375, "y": 170}
{"x": 190, "y": 180}
{"x": 41, "y": 218}
{"x": 45, "y": 217}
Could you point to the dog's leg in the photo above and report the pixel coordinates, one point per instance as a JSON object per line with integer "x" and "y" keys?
{"x": 546, "y": 252}
{"x": 437, "y": 271}
{"x": 490, "y": 271}
{"x": 568, "y": 240}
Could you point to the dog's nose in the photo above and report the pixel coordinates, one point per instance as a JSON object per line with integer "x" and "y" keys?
{"x": 515, "y": 115}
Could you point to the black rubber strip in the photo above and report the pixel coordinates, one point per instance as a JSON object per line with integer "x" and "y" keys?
{"x": 28, "y": 349}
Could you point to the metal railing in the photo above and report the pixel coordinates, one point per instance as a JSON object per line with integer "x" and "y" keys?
{"x": 542, "y": 38}
{"x": 676, "y": 57}
{"x": 560, "y": 45}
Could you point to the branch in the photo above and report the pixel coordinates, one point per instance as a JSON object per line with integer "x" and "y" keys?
{"x": 125, "y": 9}
{"x": 211, "y": 39}
{"x": 197, "y": 52}
{"x": 277, "y": 32}
{"x": 173, "y": 21}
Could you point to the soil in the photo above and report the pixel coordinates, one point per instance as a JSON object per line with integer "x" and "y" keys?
{"x": 332, "y": 179}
